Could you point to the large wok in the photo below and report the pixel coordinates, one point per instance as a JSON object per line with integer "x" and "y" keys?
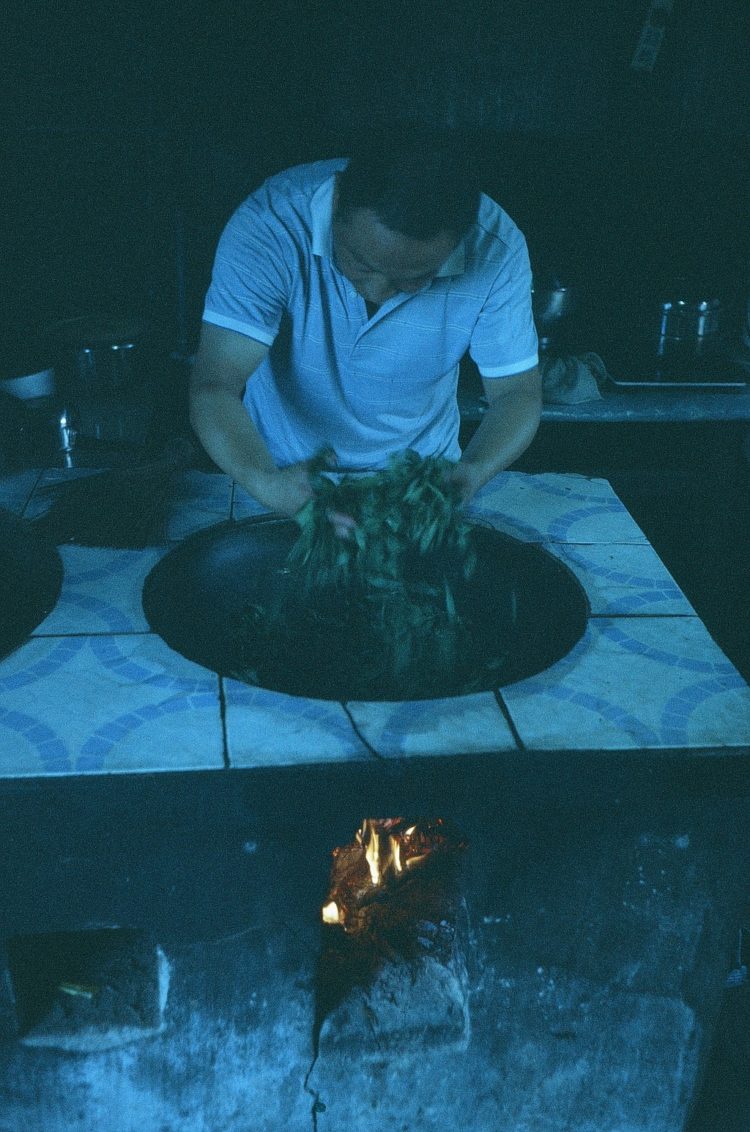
{"x": 523, "y": 605}
{"x": 31, "y": 574}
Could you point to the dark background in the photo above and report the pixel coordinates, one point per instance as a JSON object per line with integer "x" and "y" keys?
{"x": 132, "y": 130}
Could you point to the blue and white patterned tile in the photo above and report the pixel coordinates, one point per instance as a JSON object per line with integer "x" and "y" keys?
{"x": 101, "y": 591}
{"x": 266, "y": 728}
{"x": 555, "y": 508}
{"x": 624, "y": 579}
{"x": 16, "y": 489}
{"x": 244, "y": 506}
{"x": 635, "y": 683}
{"x": 104, "y": 704}
{"x": 200, "y": 499}
{"x": 460, "y": 725}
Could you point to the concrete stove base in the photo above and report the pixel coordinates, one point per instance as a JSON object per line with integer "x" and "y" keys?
{"x": 604, "y": 897}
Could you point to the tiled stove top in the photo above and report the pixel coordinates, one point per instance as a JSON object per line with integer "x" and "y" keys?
{"x": 93, "y": 691}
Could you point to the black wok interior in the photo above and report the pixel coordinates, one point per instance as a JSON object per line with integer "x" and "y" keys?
{"x": 30, "y": 579}
{"x": 522, "y": 604}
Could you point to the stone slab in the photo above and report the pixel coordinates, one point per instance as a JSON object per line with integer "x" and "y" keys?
{"x": 556, "y": 509}
{"x": 266, "y": 728}
{"x": 42, "y": 497}
{"x": 635, "y": 683}
{"x": 244, "y": 506}
{"x": 200, "y": 499}
{"x": 101, "y": 591}
{"x": 462, "y": 724}
{"x": 625, "y": 579}
{"x": 75, "y": 705}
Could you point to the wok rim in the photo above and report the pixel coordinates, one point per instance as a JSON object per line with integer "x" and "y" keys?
{"x": 211, "y": 536}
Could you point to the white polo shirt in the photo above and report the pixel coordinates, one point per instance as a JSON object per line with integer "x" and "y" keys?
{"x": 368, "y": 387}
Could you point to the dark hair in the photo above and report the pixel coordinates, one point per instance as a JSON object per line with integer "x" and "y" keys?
{"x": 418, "y": 181}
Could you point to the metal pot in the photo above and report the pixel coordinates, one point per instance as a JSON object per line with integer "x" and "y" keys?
{"x": 688, "y": 320}
{"x": 26, "y": 371}
{"x": 99, "y": 356}
{"x": 552, "y": 302}
{"x": 103, "y": 365}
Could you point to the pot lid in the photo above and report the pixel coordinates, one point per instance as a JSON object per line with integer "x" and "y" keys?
{"x": 22, "y": 355}
{"x": 95, "y": 330}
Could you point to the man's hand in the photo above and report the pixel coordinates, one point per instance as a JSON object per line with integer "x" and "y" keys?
{"x": 469, "y": 478}
{"x": 284, "y": 490}
{"x": 287, "y": 490}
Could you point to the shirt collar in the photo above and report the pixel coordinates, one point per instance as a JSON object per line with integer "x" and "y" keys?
{"x": 455, "y": 263}
{"x": 321, "y": 210}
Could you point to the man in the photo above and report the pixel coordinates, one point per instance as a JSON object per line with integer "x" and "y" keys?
{"x": 343, "y": 296}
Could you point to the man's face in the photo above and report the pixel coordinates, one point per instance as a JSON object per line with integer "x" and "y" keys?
{"x": 380, "y": 262}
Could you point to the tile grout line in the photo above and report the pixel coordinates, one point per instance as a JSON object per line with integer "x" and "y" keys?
{"x": 223, "y": 718}
{"x": 508, "y": 719}
{"x": 355, "y": 728}
{"x": 30, "y": 493}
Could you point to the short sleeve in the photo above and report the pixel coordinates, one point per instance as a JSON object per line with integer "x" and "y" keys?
{"x": 251, "y": 277}
{"x": 504, "y": 339}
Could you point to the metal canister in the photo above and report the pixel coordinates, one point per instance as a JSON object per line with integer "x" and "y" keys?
{"x": 686, "y": 320}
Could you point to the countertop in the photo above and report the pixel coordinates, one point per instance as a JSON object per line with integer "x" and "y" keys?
{"x": 93, "y": 691}
{"x": 637, "y": 405}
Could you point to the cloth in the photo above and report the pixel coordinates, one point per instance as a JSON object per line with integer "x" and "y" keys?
{"x": 571, "y": 379}
{"x": 333, "y": 376}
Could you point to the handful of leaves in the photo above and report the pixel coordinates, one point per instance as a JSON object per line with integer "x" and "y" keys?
{"x": 381, "y": 603}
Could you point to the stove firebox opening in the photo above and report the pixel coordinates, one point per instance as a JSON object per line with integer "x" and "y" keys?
{"x": 392, "y": 970}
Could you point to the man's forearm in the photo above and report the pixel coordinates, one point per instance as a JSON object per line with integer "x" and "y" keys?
{"x": 234, "y": 443}
{"x": 229, "y": 436}
{"x": 505, "y": 432}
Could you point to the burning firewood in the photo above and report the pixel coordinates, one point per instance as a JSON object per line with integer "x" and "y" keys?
{"x": 393, "y": 961}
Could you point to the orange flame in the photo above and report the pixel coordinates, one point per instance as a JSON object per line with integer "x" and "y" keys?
{"x": 384, "y": 852}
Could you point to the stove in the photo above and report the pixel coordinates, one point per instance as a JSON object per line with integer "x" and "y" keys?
{"x": 603, "y": 801}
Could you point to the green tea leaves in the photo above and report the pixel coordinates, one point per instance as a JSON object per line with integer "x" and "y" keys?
{"x": 384, "y": 595}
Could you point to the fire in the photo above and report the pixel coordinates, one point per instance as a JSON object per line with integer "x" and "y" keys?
{"x": 330, "y": 913}
{"x": 382, "y": 848}
{"x": 384, "y": 853}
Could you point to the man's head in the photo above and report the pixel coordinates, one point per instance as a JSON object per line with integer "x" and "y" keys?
{"x": 403, "y": 203}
